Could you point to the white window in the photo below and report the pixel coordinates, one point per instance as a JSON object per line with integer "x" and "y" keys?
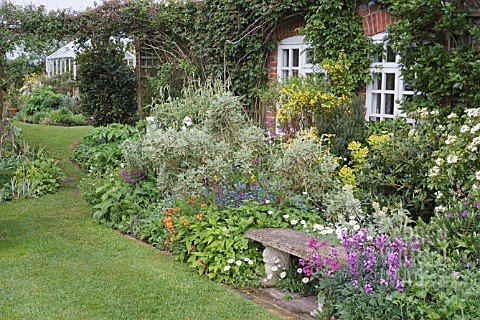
{"x": 387, "y": 90}
{"x": 294, "y": 58}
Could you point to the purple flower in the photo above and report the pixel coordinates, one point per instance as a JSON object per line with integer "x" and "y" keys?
{"x": 464, "y": 213}
{"x": 468, "y": 264}
{"x": 369, "y": 289}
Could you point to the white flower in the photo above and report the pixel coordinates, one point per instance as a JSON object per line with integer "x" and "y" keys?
{"x": 230, "y": 261}
{"x": 150, "y": 119}
{"x": 352, "y": 222}
{"x": 474, "y": 187}
{"x": 283, "y": 275}
{"x": 187, "y": 121}
{"x": 274, "y": 268}
{"x": 411, "y": 133}
{"x": 270, "y": 212}
{"x": 452, "y": 159}
{"x": 225, "y": 229}
{"x": 356, "y": 227}
{"x": 323, "y": 232}
{"x": 464, "y": 128}
{"x": 305, "y": 192}
{"x": 439, "y": 194}
{"x": 285, "y": 216}
{"x": 452, "y": 115}
{"x": 293, "y": 222}
{"x": 439, "y": 161}
{"x": 276, "y": 261}
{"x": 246, "y": 259}
{"x": 305, "y": 280}
{"x": 238, "y": 262}
{"x": 434, "y": 171}
{"x": 267, "y": 201}
{"x": 369, "y": 238}
{"x": 303, "y": 222}
{"x": 299, "y": 270}
{"x": 451, "y": 139}
{"x": 270, "y": 276}
{"x": 477, "y": 175}
{"x": 473, "y": 112}
{"x": 250, "y": 262}
{"x": 434, "y": 113}
{"x": 441, "y": 127}
{"x": 329, "y": 230}
{"x": 226, "y": 268}
{"x": 475, "y": 128}
{"x": 456, "y": 274}
{"x": 352, "y": 217}
{"x": 440, "y": 209}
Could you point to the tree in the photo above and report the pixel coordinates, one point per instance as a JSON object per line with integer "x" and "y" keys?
{"x": 106, "y": 83}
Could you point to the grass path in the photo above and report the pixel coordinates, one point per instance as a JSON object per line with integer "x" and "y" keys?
{"x": 56, "y": 263}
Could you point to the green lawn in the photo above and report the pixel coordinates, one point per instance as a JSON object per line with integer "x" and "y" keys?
{"x": 56, "y": 263}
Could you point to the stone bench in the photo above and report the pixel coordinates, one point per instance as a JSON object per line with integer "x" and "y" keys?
{"x": 280, "y": 243}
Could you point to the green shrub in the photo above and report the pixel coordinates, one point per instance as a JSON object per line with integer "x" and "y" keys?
{"x": 42, "y": 99}
{"x": 106, "y": 84}
{"x": 345, "y": 122}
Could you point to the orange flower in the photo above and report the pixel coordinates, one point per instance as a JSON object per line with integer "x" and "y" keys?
{"x": 182, "y": 217}
{"x": 168, "y": 211}
{"x": 203, "y": 205}
{"x": 175, "y": 209}
{"x": 191, "y": 200}
{"x": 199, "y": 217}
{"x": 185, "y": 222}
{"x": 166, "y": 243}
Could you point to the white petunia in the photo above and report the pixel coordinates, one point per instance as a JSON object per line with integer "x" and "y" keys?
{"x": 226, "y": 268}
{"x": 299, "y": 270}
{"x": 305, "y": 280}
{"x": 238, "y": 262}
{"x": 452, "y": 159}
{"x": 270, "y": 212}
{"x": 477, "y": 175}
{"x": 352, "y": 222}
{"x": 293, "y": 222}
{"x": 464, "y": 128}
{"x": 356, "y": 227}
{"x": 230, "y": 261}
{"x": 283, "y": 275}
{"x": 450, "y": 139}
{"x": 285, "y": 216}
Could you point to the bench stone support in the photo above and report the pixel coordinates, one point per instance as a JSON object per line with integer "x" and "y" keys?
{"x": 274, "y": 257}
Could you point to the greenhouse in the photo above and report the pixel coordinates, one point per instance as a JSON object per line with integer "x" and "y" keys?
{"x": 63, "y": 60}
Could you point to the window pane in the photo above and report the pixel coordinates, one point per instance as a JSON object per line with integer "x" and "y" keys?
{"x": 285, "y": 74}
{"x": 285, "y": 58}
{"x": 376, "y": 119}
{"x": 296, "y": 57}
{"x": 376, "y": 103}
{"x": 389, "y": 103}
{"x": 390, "y": 81}
{"x": 295, "y": 73}
{"x": 377, "y": 81}
{"x": 375, "y": 57}
{"x": 407, "y": 87}
{"x": 309, "y": 56}
{"x": 390, "y": 55}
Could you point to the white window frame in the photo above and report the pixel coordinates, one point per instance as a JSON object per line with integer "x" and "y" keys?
{"x": 286, "y": 68}
{"x": 373, "y": 92}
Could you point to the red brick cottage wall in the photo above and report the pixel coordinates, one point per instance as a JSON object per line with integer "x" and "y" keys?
{"x": 374, "y": 19}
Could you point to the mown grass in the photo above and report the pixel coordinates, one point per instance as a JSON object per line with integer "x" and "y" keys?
{"x": 56, "y": 263}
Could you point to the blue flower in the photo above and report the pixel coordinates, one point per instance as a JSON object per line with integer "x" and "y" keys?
{"x": 456, "y": 85}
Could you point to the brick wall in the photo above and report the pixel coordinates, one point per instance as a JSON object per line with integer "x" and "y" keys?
{"x": 286, "y": 29}
{"x": 375, "y": 20}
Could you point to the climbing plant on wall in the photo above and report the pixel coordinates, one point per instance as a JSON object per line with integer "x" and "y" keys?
{"x": 334, "y": 27}
{"x": 438, "y": 44}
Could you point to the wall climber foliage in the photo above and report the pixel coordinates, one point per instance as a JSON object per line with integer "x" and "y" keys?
{"x": 439, "y": 52}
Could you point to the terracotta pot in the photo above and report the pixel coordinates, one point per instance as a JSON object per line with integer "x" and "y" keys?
{"x": 11, "y": 112}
